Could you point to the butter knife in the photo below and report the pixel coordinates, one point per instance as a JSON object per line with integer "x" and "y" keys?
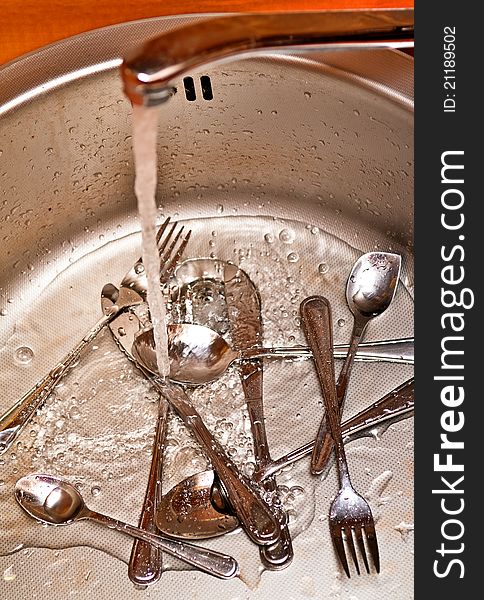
{"x": 244, "y": 313}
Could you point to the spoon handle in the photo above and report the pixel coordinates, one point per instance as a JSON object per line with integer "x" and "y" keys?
{"x": 393, "y": 351}
{"x": 214, "y": 563}
{"x": 258, "y": 520}
{"x": 394, "y": 406}
{"x": 146, "y": 561}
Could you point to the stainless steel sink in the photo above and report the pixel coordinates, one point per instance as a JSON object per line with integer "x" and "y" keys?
{"x": 324, "y": 139}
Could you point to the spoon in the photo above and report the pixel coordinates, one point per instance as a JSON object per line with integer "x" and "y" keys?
{"x": 370, "y": 290}
{"x": 200, "y": 355}
{"x": 57, "y": 502}
{"x": 256, "y": 516}
{"x": 189, "y": 511}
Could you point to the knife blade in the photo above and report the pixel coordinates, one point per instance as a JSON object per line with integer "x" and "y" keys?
{"x": 244, "y": 312}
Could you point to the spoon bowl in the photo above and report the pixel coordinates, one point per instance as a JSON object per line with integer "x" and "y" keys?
{"x": 198, "y": 354}
{"x": 187, "y": 510}
{"x": 57, "y": 502}
{"x": 372, "y": 284}
{"x": 49, "y": 499}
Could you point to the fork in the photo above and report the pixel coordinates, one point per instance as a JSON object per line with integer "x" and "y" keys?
{"x": 131, "y": 292}
{"x": 350, "y": 517}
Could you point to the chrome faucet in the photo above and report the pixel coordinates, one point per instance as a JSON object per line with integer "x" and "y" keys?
{"x": 148, "y": 73}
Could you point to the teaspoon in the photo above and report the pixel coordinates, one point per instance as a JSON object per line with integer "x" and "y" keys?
{"x": 57, "y": 502}
{"x": 370, "y": 290}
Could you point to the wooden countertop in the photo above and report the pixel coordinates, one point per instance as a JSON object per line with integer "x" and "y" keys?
{"x": 26, "y": 25}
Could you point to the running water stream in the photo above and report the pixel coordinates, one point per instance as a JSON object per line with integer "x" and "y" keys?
{"x": 145, "y": 130}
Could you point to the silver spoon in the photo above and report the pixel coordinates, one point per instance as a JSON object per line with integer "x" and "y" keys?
{"x": 200, "y": 355}
{"x": 57, "y": 502}
{"x": 188, "y": 510}
{"x": 370, "y": 290}
{"x": 255, "y": 514}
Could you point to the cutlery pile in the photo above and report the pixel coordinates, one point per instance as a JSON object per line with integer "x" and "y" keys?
{"x": 224, "y": 498}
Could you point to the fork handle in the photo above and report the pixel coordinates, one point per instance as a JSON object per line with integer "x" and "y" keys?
{"x": 318, "y": 328}
{"x": 16, "y": 418}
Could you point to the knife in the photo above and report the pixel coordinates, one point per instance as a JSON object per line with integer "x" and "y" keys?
{"x": 244, "y": 311}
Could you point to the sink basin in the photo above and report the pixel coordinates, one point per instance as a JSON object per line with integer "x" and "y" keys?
{"x": 303, "y": 160}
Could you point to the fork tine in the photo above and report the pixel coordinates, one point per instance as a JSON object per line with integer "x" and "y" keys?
{"x": 167, "y": 267}
{"x": 162, "y": 228}
{"x": 351, "y": 545}
{"x": 163, "y": 244}
{"x": 170, "y": 266}
{"x": 337, "y": 537}
{"x": 372, "y": 543}
{"x": 164, "y": 256}
{"x": 358, "y": 533}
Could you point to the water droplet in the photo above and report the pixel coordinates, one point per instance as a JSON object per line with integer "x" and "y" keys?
{"x": 121, "y": 331}
{"x": 287, "y": 236}
{"x": 24, "y": 355}
{"x": 95, "y": 490}
{"x": 356, "y": 112}
{"x": 74, "y": 413}
{"x": 323, "y": 268}
{"x": 139, "y": 268}
{"x": 249, "y": 468}
{"x": 307, "y": 95}
{"x": 341, "y": 322}
{"x": 3, "y": 312}
{"x": 8, "y": 574}
{"x": 269, "y": 238}
{"x": 220, "y": 208}
{"x": 292, "y": 257}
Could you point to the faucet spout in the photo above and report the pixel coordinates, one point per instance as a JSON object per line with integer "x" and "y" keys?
{"x": 149, "y": 71}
